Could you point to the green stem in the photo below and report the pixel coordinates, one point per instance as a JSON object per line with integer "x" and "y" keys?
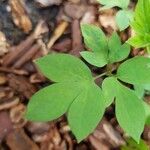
{"x": 101, "y": 75}
{"x": 109, "y": 71}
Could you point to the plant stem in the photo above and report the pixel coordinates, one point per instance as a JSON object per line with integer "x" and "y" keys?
{"x": 101, "y": 75}
{"x": 109, "y": 71}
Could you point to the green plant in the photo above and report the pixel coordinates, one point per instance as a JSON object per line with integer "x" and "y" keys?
{"x": 141, "y": 25}
{"x": 75, "y": 93}
{"x": 123, "y": 16}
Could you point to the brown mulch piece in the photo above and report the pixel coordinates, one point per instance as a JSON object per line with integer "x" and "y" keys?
{"x": 30, "y": 30}
{"x": 18, "y": 140}
{"x": 5, "y": 125}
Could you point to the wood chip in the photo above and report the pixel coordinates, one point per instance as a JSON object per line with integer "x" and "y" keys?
{"x": 26, "y": 49}
{"x": 18, "y": 140}
{"x": 3, "y": 79}
{"x": 14, "y": 71}
{"x": 63, "y": 46}
{"x": 75, "y": 11}
{"x": 38, "y": 127}
{"x": 27, "y": 56}
{"x": 98, "y": 144}
{"x": 20, "y": 16}
{"x": 57, "y": 33}
{"x": 106, "y": 132}
{"x": 21, "y": 85}
{"x": 17, "y": 115}
{"x": 5, "y": 125}
{"x": 3, "y": 44}
{"x": 7, "y": 103}
{"x": 77, "y": 46}
{"x": 107, "y": 20}
{"x": 17, "y": 51}
{"x": 45, "y": 3}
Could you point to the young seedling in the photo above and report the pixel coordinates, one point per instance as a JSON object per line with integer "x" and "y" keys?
{"x": 141, "y": 25}
{"x": 123, "y": 16}
{"x": 75, "y": 93}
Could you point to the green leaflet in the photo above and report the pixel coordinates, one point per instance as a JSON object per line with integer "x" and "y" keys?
{"x": 94, "y": 58}
{"x": 141, "y": 25}
{"x": 63, "y": 67}
{"x": 52, "y": 102}
{"x": 123, "y": 19}
{"x": 135, "y": 71}
{"x": 86, "y": 111}
{"x": 103, "y": 51}
{"x": 129, "y": 112}
{"x": 112, "y": 3}
{"x": 94, "y": 38}
{"x": 117, "y": 51}
{"x": 75, "y": 91}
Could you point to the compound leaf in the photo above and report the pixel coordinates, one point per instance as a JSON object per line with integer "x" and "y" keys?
{"x": 86, "y": 111}
{"x": 51, "y": 102}
{"x": 63, "y": 67}
{"x": 95, "y": 39}
{"x": 75, "y": 91}
{"x": 130, "y": 112}
{"x": 117, "y": 51}
{"x": 135, "y": 70}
